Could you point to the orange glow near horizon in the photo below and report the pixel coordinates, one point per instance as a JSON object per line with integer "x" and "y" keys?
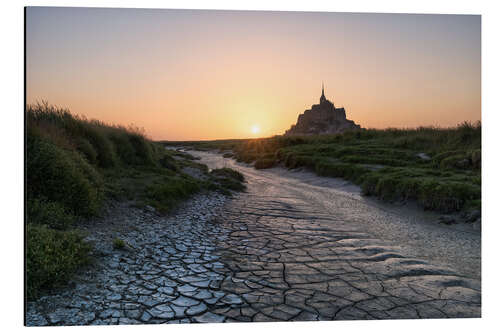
{"x": 202, "y": 75}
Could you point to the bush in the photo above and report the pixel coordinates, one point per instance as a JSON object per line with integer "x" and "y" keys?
{"x": 86, "y": 148}
{"x": 373, "y": 160}
{"x": 228, "y": 179}
{"x": 106, "y": 154}
{"x": 230, "y": 184}
{"x": 52, "y": 257}
{"x": 265, "y": 163}
{"x": 430, "y": 193}
{"x": 52, "y": 214}
{"x": 123, "y": 147}
{"x": 456, "y": 161}
{"x": 143, "y": 150}
{"x": 369, "y": 183}
{"x": 446, "y": 196}
{"x": 246, "y": 156}
{"x": 118, "y": 244}
{"x": 166, "y": 195}
{"x": 441, "y": 156}
{"x": 475, "y": 158}
{"x": 132, "y": 148}
{"x": 180, "y": 154}
{"x": 348, "y": 171}
{"x": 293, "y": 160}
{"x": 228, "y": 172}
{"x": 168, "y": 162}
{"x": 61, "y": 176}
{"x": 104, "y": 145}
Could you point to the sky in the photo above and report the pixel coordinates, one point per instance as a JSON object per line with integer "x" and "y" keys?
{"x": 211, "y": 74}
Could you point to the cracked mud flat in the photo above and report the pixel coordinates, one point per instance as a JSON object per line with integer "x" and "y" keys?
{"x": 290, "y": 248}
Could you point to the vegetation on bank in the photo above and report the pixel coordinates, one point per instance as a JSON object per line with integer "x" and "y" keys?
{"x": 74, "y": 165}
{"x": 440, "y": 168}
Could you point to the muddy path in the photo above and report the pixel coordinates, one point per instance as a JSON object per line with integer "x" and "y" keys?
{"x": 415, "y": 232}
{"x": 294, "y": 246}
{"x": 324, "y": 252}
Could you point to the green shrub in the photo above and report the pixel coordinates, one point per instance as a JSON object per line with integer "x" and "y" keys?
{"x": 374, "y": 160}
{"x": 446, "y": 196}
{"x": 118, "y": 244}
{"x": 106, "y": 154}
{"x": 228, "y": 179}
{"x": 388, "y": 188}
{"x": 430, "y": 193}
{"x": 132, "y": 148}
{"x": 369, "y": 183}
{"x": 168, "y": 162}
{"x": 105, "y": 145}
{"x": 246, "y": 156}
{"x": 293, "y": 160}
{"x": 181, "y": 154}
{"x": 265, "y": 163}
{"x": 123, "y": 147}
{"x": 228, "y": 172}
{"x": 475, "y": 158}
{"x": 143, "y": 150}
{"x": 52, "y": 214}
{"x": 86, "y": 148}
{"x": 441, "y": 156}
{"x": 474, "y": 204}
{"x": 230, "y": 184}
{"x": 348, "y": 171}
{"x": 61, "y": 176}
{"x": 456, "y": 161}
{"x": 166, "y": 195}
{"x": 52, "y": 257}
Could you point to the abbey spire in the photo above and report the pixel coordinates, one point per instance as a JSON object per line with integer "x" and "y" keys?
{"x": 322, "y": 99}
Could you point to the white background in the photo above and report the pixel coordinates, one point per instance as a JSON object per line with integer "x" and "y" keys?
{"x": 12, "y": 162}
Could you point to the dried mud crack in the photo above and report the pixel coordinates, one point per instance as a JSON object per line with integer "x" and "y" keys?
{"x": 255, "y": 257}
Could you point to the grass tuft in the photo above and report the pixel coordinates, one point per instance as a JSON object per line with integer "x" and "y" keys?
{"x": 52, "y": 256}
{"x": 119, "y": 244}
{"x": 228, "y": 179}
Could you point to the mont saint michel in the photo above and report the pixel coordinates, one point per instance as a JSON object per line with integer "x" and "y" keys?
{"x": 322, "y": 118}
{"x": 160, "y": 186}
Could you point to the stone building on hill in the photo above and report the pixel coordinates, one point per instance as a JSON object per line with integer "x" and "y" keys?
{"x": 322, "y": 118}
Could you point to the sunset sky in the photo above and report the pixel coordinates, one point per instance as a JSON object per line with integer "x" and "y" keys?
{"x": 192, "y": 75}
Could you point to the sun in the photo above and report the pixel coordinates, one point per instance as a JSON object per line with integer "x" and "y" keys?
{"x": 255, "y": 129}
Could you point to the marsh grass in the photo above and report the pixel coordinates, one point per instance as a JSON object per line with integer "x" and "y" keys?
{"x": 440, "y": 168}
